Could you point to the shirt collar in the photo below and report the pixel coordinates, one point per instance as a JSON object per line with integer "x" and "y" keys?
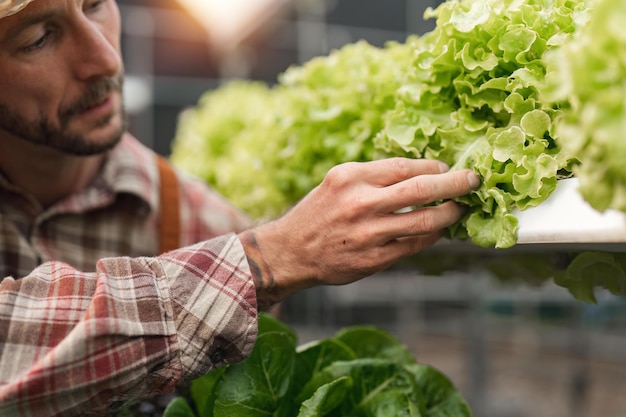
{"x": 130, "y": 169}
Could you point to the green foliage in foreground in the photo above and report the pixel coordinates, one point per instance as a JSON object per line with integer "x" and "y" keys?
{"x": 360, "y": 371}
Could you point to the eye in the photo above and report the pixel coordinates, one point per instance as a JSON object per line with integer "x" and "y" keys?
{"x": 39, "y": 43}
{"x": 94, "y": 5}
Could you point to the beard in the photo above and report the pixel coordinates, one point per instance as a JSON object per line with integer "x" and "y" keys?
{"x": 42, "y": 131}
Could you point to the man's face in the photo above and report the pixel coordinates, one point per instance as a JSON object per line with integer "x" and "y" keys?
{"x": 61, "y": 75}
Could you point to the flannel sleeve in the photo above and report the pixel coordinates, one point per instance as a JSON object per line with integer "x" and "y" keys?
{"x": 75, "y": 343}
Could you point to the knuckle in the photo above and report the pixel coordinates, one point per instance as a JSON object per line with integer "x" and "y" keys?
{"x": 400, "y": 166}
{"x": 426, "y": 221}
{"x": 340, "y": 175}
{"x": 369, "y": 235}
{"x": 356, "y": 206}
{"x": 460, "y": 182}
{"x": 412, "y": 246}
{"x": 376, "y": 260}
{"x": 362, "y": 236}
{"x": 424, "y": 190}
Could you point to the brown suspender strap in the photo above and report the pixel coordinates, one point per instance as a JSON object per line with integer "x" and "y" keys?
{"x": 169, "y": 220}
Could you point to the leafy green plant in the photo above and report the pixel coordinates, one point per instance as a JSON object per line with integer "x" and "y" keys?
{"x": 228, "y": 141}
{"x": 586, "y": 78}
{"x": 466, "y": 93}
{"x": 471, "y": 99}
{"x": 360, "y": 371}
{"x": 266, "y": 147}
{"x": 522, "y": 91}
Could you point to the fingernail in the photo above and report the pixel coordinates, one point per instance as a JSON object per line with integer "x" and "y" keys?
{"x": 443, "y": 167}
{"x": 473, "y": 179}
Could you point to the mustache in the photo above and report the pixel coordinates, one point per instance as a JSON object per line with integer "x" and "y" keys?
{"x": 95, "y": 94}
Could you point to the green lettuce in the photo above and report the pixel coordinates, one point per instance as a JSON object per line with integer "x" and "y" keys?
{"x": 333, "y": 110}
{"x": 586, "y": 77}
{"x": 471, "y": 99}
{"x": 465, "y": 93}
{"x": 266, "y": 147}
{"x": 227, "y": 140}
{"x": 524, "y": 92}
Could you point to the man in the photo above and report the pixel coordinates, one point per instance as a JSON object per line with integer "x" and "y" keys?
{"x": 90, "y": 316}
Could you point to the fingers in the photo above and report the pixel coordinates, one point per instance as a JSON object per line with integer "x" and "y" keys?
{"x": 401, "y": 247}
{"x": 390, "y": 171}
{"x": 408, "y": 246}
{"x": 426, "y": 221}
{"x": 425, "y": 189}
{"x": 422, "y": 221}
{"x": 405, "y": 182}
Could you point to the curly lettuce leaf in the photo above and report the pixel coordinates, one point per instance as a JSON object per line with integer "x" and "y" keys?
{"x": 265, "y": 147}
{"x": 227, "y": 140}
{"x": 586, "y": 78}
{"x": 333, "y": 110}
{"x": 471, "y": 99}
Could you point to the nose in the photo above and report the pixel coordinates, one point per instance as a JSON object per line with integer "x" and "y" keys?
{"x": 95, "y": 51}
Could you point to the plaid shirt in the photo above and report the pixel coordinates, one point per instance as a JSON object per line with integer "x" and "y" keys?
{"x": 105, "y": 321}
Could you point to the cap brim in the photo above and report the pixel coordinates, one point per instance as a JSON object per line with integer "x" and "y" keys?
{"x": 10, "y": 7}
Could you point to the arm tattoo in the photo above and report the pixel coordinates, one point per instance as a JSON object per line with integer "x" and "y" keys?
{"x": 261, "y": 274}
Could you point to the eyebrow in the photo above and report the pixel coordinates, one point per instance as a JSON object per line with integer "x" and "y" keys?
{"x": 27, "y": 22}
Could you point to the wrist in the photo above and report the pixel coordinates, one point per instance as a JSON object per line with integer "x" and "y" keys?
{"x": 273, "y": 275}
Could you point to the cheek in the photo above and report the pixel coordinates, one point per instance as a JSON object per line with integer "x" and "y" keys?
{"x": 32, "y": 97}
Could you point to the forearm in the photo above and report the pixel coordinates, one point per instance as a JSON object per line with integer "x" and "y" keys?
{"x": 76, "y": 342}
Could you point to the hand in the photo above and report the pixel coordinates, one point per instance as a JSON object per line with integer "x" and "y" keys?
{"x": 354, "y": 224}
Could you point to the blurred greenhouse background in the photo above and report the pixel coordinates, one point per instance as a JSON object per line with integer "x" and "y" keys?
{"x": 514, "y": 350}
